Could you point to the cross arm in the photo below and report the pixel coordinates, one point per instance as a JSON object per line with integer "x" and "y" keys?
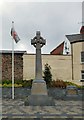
{"x": 33, "y": 41}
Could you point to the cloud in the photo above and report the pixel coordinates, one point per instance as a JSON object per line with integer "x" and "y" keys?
{"x": 54, "y": 20}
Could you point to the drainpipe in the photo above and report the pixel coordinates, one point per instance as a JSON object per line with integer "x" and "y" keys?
{"x": 72, "y": 60}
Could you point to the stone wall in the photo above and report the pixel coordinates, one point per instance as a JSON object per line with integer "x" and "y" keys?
{"x": 7, "y": 66}
{"x": 61, "y": 67}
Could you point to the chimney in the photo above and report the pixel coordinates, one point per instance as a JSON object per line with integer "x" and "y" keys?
{"x": 82, "y": 30}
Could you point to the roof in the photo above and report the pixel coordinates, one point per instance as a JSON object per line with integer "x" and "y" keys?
{"x": 75, "y": 38}
{"x": 82, "y": 30}
{"x": 58, "y": 50}
{"x": 9, "y": 51}
{"x": 47, "y": 54}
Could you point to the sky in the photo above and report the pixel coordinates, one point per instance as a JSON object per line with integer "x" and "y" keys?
{"x": 53, "y": 19}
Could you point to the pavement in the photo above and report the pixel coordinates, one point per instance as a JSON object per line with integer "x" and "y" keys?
{"x": 62, "y": 109}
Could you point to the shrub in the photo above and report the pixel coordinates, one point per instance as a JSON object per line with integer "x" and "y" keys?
{"x": 6, "y": 85}
{"x": 17, "y": 83}
{"x": 81, "y": 87}
{"x": 0, "y": 81}
{"x": 58, "y": 83}
{"x": 47, "y": 74}
{"x": 10, "y": 85}
{"x": 70, "y": 83}
{"x": 27, "y": 83}
{"x": 6, "y": 82}
{"x": 78, "y": 86}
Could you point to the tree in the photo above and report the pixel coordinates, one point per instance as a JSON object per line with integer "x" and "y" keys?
{"x": 47, "y": 74}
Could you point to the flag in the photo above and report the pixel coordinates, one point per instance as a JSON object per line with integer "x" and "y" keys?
{"x": 14, "y": 35}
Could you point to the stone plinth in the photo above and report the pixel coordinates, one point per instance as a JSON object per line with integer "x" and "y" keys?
{"x": 71, "y": 93}
{"x": 39, "y": 87}
{"x": 39, "y": 95}
{"x": 39, "y": 100}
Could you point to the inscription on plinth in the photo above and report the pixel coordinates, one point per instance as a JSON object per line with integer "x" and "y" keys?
{"x": 71, "y": 90}
{"x": 39, "y": 89}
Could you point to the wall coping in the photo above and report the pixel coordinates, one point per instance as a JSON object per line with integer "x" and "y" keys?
{"x": 10, "y": 51}
{"x": 45, "y": 54}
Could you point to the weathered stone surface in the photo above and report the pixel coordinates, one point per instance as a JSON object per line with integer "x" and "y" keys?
{"x": 7, "y": 66}
{"x": 39, "y": 100}
{"x": 38, "y": 42}
{"x": 39, "y": 96}
{"x": 71, "y": 90}
{"x": 39, "y": 88}
{"x": 71, "y": 93}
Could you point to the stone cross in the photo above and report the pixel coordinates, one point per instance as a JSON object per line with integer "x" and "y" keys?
{"x": 39, "y": 94}
{"x": 38, "y": 43}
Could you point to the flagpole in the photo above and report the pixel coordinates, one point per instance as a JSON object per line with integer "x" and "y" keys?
{"x": 12, "y": 65}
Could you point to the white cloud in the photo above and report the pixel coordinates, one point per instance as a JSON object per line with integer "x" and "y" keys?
{"x": 54, "y": 20}
{"x": 44, "y": 0}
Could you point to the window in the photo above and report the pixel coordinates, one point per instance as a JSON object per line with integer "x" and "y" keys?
{"x": 82, "y": 57}
{"x": 82, "y": 74}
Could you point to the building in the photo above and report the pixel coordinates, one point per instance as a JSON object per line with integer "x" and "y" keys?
{"x": 77, "y": 55}
{"x": 69, "y": 67}
{"x": 58, "y": 50}
{"x": 65, "y": 67}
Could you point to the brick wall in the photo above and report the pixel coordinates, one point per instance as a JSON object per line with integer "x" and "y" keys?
{"x": 7, "y": 66}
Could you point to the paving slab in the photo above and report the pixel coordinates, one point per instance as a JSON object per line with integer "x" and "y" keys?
{"x": 62, "y": 109}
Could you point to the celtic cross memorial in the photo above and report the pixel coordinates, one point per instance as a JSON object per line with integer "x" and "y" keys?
{"x": 39, "y": 95}
{"x": 38, "y": 42}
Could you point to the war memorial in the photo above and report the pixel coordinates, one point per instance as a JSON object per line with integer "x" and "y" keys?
{"x": 25, "y": 94}
{"x": 41, "y": 102}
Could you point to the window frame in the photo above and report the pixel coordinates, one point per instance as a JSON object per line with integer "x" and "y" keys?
{"x": 82, "y": 74}
{"x": 81, "y": 57}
